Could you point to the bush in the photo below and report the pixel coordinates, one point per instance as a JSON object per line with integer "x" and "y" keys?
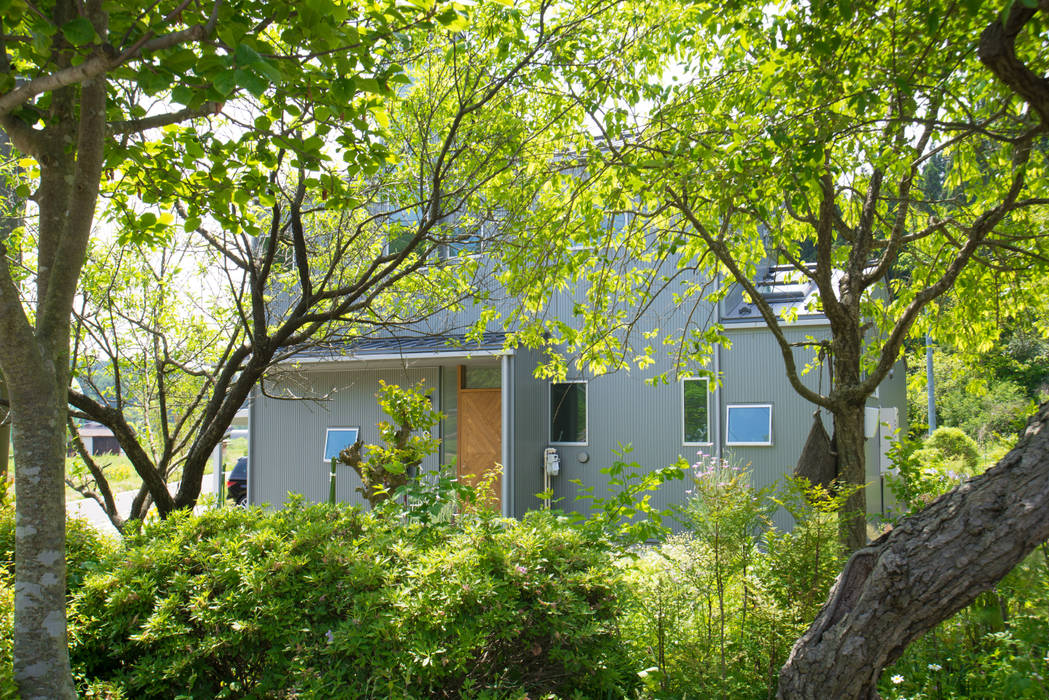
{"x": 955, "y": 446}
{"x": 714, "y": 611}
{"x": 8, "y": 690}
{"x": 325, "y": 601}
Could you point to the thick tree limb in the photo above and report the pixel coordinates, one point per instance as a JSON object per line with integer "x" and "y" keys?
{"x": 997, "y": 51}
{"x": 930, "y": 566}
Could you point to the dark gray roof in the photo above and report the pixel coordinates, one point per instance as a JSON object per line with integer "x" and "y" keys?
{"x": 411, "y": 345}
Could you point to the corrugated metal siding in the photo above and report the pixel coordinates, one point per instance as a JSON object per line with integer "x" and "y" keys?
{"x": 288, "y": 436}
{"x": 528, "y": 431}
{"x": 623, "y": 410}
{"x": 753, "y": 372}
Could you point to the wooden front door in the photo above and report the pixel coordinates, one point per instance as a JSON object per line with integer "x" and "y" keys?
{"x": 480, "y": 439}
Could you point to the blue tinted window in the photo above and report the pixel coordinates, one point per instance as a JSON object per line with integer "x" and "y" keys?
{"x": 337, "y": 440}
{"x": 749, "y": 425}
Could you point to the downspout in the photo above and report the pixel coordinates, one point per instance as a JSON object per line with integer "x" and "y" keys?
{"x": 717, "y": 386}
{"x": 253, "y": 436}
{"x": 717, "y": 402}
{"x": 507, "y": 434}
{"x": 930, "y": 384}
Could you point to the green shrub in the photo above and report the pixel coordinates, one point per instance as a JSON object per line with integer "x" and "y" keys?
{"x": 955, "y": 446}
{"x": 714, "y": 611}
{"x": 322, "y": 601}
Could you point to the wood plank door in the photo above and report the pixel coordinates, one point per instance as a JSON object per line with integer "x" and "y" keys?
{"x": 480, "y": 439}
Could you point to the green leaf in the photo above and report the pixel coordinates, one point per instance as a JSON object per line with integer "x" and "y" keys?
{"x": 226, "y": 83}
{"x": 183, "y": 94}
{"x": 78, "y": 32}
{"x": 251, "y": 82}
{"x": 268, "y": 71}
{"x": 453, "y": 21}
{"x": 191, "y": 224}
{"x": 246, "y": 56}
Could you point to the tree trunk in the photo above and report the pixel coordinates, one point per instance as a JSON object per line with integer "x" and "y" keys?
{"x": 41, "y": 659}
{"x": 931, "y": 565}
{"x": 850, "y": 444}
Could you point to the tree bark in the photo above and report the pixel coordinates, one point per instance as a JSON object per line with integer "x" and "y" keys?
{"x": 41, "y": 659}
{"x": 997, "y": 51}
{"x": 850, "y": 444}
{"x": 930, "y": 566}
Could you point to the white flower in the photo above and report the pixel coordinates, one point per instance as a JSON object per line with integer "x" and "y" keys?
{"x": 935, "y": 667}
{"x": 897, "y": 679}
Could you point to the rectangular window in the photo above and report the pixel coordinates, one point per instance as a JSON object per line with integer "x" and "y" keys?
{"x": 749, "y": 424}
{"x": 338, "y": 439}
{"x": 695, "y": 413}
{"x": 568, "y": 413}
{"x": 481, "y": 377}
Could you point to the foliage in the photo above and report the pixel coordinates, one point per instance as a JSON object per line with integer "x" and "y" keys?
{"x": 406, "y": 442}
{"x": 953, "y": 448}
{"x": 8, "y": 689}
{"x": 324, "y": 601}
{"x": 627, "y": 515}
{"x": 925, "y": 468}
{"x": 714, "y": 610}
{"x": 996, "y": 648}
{"x": 800, "y": 564}
{"x": 986, "y": 394}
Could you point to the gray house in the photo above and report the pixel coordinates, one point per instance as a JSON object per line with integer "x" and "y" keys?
{"x": 537, "y": 432}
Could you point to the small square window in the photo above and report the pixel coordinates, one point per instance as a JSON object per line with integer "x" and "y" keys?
{"x": 695, "y": 412}
{"x": 749, "y": 424}
{"x": 568, "y": 413}
{"x": 338, "y": 439}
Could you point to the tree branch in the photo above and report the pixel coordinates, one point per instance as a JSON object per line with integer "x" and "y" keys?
{"x": 137, "y": 126}
{"x": 997, "y": 51}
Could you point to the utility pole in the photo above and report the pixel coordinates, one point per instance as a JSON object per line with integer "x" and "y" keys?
{"x": 930, "y": 384}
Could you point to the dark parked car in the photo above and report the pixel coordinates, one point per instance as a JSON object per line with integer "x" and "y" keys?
{"x": 237, "y": 482}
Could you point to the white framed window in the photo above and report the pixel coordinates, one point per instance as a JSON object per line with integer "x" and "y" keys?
{"x": 749, "y": 424}
{"x": 695, "y": 411}
{"x": 338, "y": 439}
{"x": 568, "y": 412}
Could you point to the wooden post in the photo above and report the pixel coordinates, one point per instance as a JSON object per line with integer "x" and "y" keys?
{"x": 331, "y": 485}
